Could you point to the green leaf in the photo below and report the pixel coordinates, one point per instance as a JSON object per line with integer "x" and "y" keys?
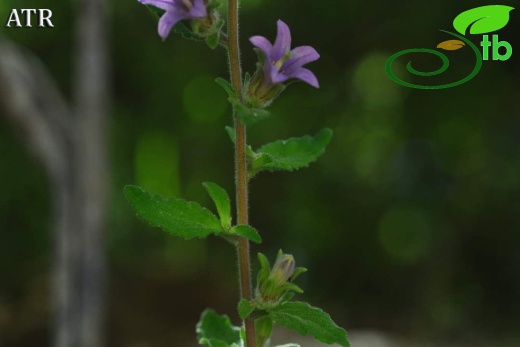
{"x": 229, "y": 90}
{"x": 484, "y": 19}
{"x": 216, "y": 328}
{"x": 176, "y": 216}
{"x": 249, "y": 116}
{"x": 246, "y": 231}
{"x": 289, "y": 345}
{"x": 221, "y": 199}
{"x": 294, "y": 153}
{"x": 245, "y": 308}
{"x": 305, "y": 319}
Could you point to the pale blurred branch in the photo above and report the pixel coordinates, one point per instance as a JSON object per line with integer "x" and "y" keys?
{"x": 71, "y": 143}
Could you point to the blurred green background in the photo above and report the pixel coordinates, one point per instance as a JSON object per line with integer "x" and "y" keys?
{"x": 409, "y": 224}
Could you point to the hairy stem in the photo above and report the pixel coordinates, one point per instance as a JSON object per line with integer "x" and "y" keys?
{"x": 244, "y": 270}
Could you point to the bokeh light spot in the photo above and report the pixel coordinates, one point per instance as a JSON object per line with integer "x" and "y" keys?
{"x": 405, "y": 234}
{"x": 157, "y": 163}
{"x": 204, "y": 100}
{"x": 372, "y": 84}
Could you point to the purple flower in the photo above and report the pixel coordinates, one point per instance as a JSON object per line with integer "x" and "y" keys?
{"x": 176, "y": 10}
{"x": 282, "y": 63}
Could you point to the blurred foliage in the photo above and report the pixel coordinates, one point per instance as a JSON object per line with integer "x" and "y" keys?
{"x": 409, "y": 223}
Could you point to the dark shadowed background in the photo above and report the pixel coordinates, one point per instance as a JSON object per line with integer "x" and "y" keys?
{"x": 409, "y": 224}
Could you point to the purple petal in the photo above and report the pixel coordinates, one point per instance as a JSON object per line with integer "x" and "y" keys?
{"x": 199, "y": 9}
{"x": 264, "y": 45}
{"x": 306, "y": 76}
{"x": 282, "y": 45}
{"x": 299, "y": 57}
{"x": 168, "y": 20}
{"x": 277, "y": 77}
{"x": 162, "y": 4}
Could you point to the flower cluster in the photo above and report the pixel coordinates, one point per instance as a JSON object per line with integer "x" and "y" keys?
{"x": 277, "y": 62}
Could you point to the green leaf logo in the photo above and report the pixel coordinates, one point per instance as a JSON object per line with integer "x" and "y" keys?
{"x": 484, "y": 19}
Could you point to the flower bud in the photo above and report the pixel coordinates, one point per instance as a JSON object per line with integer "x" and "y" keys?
{"x": 277, "y": 283}
{"x": 282, "y": 269}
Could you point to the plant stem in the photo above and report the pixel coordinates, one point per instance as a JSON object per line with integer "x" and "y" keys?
{"x": 244, "y": 267}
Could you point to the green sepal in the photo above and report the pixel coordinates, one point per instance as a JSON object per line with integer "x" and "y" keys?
{"x": 305, "y": 319}
{"x": 221, "y": 199}
{"x": 297, "y": 272}
{"x": 265, "y": 269}
{"x": 246, "y": 231}
{"x": 245, "y": 308}
{"x": 247, "y": 78}
{"x": 216, "y": 329}
{"x": 286, "y": 297}
{"x": 176, "y": 216}
{"x": 182, "y": 29}
{"x": 292, "y": 154}
{"x": 213, "y": 5}
{"x": 155, "y": 10}
{"x": 248, "y": 115}
{"x": 213, "y": 40}
{"x": 290, "y": 287}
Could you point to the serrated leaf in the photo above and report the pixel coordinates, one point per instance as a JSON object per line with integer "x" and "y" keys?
{"x": 221, "y": 199}
{"x": 305, "y": 319}
{"x": 246, "y": 231}
{"x": 245, "y": 308}
{"x": 294, "y": 153}
{"x": 215, "y": 327}
{"x": 482, "y": 20}
{"x": 176, "y": 216}
{"x": 451, "y": 45}
{"x": 249, "y": 116}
